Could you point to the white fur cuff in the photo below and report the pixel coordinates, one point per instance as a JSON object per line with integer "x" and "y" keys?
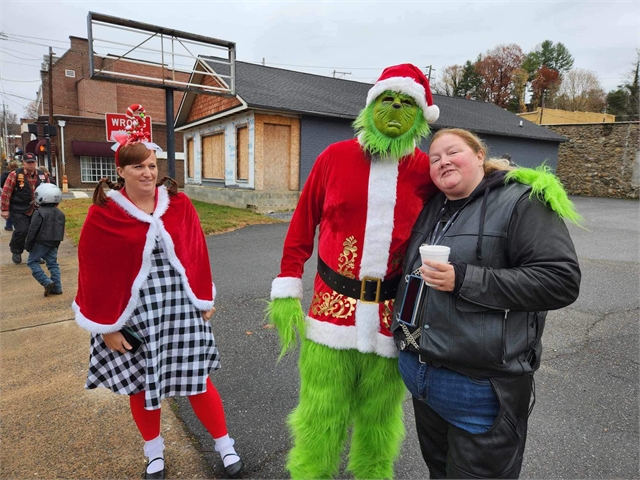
{"x": 285, "y": 287}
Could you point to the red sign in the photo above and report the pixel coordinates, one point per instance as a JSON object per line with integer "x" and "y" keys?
{"x": 117, "y": 122}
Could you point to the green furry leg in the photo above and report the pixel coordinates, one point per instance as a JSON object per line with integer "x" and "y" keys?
{"x": 378, "y": 428}
{"x": 339, "y": 388}
{"x": 320, "y": 421}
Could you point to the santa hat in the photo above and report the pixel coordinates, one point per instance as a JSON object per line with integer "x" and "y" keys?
{"x": 407, "y": 79}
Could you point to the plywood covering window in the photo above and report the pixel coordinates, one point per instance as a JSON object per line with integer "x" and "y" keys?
{"x": 213, "y": 156}
{"x": 242, "y": 153}
{"x": 277, "y": 156}
{"x": 190, "y": 158}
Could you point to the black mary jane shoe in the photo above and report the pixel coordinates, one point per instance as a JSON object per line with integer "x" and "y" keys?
{"x": 231, "y": 471}
{"x": 156, "y": 475}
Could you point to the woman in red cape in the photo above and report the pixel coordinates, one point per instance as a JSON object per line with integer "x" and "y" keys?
{"x": 148, "y": 311}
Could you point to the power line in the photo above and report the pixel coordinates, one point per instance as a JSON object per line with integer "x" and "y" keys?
{"x": 17, "y": 63}
{"x": 34, "y": 38}
{"x": 19, "y": 81}
{"x": 33, "y": 57}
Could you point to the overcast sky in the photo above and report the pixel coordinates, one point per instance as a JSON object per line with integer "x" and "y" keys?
{"x": 359, "y": 37}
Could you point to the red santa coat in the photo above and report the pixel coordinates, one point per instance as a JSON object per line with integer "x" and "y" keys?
{"x": 366, "y": 209}
{"x": 114, "y": 257}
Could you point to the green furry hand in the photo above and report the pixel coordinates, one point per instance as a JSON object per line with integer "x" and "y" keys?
{"x": 287, "y": 315}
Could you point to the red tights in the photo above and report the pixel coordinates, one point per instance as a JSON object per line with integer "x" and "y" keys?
{"x": 207, "y": 406}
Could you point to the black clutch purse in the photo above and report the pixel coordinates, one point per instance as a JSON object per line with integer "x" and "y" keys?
{"x": 133, "y": 338}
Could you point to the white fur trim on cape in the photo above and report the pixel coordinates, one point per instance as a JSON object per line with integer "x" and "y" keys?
{"x": 156, "y": 229}
{"x": 408, "y": 86}
{"x": 349, "y": 337}
{"x": 286, "y": 287}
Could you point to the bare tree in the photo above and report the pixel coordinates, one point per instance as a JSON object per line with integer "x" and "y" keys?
{"x": 31, "y": 110}
{"x": 449, "y": 81}
{"x": 581, "y": 91}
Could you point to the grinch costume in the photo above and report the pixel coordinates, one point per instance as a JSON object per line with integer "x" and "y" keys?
{"x": 364, "y": 195}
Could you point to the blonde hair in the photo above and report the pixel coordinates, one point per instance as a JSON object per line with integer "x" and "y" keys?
{"x": 477, "y": 145}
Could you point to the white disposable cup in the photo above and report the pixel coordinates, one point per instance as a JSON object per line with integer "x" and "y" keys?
{"x": 436, "y": 253}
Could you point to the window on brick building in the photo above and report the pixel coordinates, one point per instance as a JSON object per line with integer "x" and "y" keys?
{"x": 92, "y": 169}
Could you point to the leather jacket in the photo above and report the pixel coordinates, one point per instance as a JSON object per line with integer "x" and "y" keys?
{"x": 47, "y": 226}
{"x": 520, "y": 262}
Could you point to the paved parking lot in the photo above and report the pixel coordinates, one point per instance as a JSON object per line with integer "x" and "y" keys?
{"x": 585, "y": 423}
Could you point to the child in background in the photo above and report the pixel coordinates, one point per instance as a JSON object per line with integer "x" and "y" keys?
{"x": 45, "y": 234}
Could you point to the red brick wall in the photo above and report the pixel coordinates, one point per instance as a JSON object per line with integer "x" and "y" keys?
{"x": 94, "y": 130}
{"x": 206, "y": 105}
{"x": 82, "y": 96}
{"x": 96, "y": 98}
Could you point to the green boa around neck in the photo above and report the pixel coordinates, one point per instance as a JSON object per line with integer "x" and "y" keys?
{"x": 379, "y": 144}
{"x": 546, "y": 186}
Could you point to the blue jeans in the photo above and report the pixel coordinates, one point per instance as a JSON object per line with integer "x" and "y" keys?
{"x": 465, "y": 402}
{"x": 50, "y": 256}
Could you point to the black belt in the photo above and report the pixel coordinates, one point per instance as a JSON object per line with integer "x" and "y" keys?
{"x": 368, "y": 290}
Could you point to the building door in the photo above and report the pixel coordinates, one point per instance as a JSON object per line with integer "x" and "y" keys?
{"x": 277, "y": 157}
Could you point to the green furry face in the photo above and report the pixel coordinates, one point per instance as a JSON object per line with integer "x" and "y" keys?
{"x": 394, "y": 113}
{"x": 378, "y": 131}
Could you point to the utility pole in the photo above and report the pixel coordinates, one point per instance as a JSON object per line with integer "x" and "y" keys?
{"x": 5, "y": 134}
{"x": 50, "y": 142}
{"x": 430, "y": 67}
{"x": 542, "y": 105}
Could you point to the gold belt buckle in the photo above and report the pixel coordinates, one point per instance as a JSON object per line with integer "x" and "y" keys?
{"x": 363, "y": 289}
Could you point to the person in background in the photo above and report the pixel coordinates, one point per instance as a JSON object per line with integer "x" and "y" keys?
{"x": 470, "y": 343}
{"x": 17, "y": 201}
{"x": 46, "y": 231}
{"x": 149, "y": 314}
{"x": 45, "y": 170}
{"x": 11, "y": 166}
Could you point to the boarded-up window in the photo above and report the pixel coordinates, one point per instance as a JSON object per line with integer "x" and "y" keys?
{"x": 277, "y": 157}
{"x": 190, "y": 158}
{"x": 213, "y": 156}
{"x": 242, "y": 153}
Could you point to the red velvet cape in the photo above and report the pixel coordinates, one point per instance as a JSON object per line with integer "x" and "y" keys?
{"x": 114, "y": 257}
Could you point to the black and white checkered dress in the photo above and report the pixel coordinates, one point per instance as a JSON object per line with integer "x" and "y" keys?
{"x": 178, "y": 352}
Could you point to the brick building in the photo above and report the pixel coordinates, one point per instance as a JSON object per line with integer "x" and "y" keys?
{"x": 81, "y": 103}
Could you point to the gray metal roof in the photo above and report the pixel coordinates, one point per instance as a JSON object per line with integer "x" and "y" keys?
{"x": 287, "y": 90}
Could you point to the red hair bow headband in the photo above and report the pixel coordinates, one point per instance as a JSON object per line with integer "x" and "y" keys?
{"x": 134, "y": 131}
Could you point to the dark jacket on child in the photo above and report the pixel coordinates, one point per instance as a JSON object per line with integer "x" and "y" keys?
{"x": 47, "y": 226}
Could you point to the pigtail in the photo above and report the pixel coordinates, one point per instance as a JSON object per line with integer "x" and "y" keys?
{"x": 99, "y": 197}
{"x": 170, "y": 184}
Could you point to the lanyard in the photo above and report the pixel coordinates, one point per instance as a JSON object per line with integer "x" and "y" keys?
{"x": 435, "y": 238}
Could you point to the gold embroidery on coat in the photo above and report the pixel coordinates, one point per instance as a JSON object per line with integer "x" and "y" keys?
{"x": 333, "y": 304}
{"x": 21, "y": 180}
{"x": 395, "y": 266}
{"x": 347, "y": 259}
{"x": 387, "y": 313}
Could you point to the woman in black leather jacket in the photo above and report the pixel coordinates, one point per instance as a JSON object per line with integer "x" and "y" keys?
{"x": 469, "y": 344}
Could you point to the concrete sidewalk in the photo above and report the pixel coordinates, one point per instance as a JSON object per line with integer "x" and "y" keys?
{"x": 50, "y": 426}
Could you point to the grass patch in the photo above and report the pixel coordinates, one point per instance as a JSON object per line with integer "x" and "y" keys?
{"x": 213, "y": 218}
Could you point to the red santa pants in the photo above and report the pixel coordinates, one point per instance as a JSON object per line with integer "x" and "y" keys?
{"x": 207, "y": 406}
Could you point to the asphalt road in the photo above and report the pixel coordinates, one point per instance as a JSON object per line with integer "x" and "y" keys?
{"x": 585, "y": 422}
